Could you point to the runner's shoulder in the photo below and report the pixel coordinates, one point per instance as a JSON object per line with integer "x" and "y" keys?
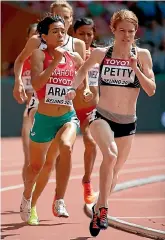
{"x": 38, "y": 53}
{"x": 78, "y": 42}
{"x": 99, "y": 51}
{"x": 34, "y": 41}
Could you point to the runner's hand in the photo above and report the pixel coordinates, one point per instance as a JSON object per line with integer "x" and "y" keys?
{"x": 88, "y": 95}
{"x": 133, "y": 61}
{"x": 58, "y": 53}
{"x": 19, "y": 92}
{"x": 70, "y": 94}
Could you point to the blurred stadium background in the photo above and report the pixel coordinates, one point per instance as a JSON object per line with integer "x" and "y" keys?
{"x": 16, "y": 17}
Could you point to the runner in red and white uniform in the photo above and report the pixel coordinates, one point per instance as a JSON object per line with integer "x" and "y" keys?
{"x": 63, "y": 9}
{"x": 84, "y": 29}
{"x": 55, "y": 122}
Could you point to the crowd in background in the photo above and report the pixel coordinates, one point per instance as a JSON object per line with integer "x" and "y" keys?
{"x": 151, "y": 15}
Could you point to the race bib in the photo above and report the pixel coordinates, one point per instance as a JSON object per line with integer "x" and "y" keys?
{"x": 33, "y": 101}
{"x": 93, "y": 75}
{"x": 117, "y": 72}
{"x": 27, "y": 82}
{"x": 55, "y": 94}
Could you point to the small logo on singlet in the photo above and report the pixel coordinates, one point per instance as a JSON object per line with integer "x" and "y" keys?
{"x": 70, "y": 64}
{"x": 92, "y": 115}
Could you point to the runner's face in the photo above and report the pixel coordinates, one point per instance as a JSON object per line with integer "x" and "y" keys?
{"x": 33, "y": 31}
{"x": 65, "y": 13}
{"x": 86, "y": 34}
{"x": 125, "y": 33}
{"x": 56, "y": 35}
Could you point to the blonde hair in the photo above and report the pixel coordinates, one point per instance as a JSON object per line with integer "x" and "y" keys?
{"x": 61, "y": 3}
{"x": 123, "y": 15}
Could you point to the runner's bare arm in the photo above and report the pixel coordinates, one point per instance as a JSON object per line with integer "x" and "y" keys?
{"x": 96, "y": 57}
{"x": 146, "y": 76}
{"x": 77, "y": 59}
{"x": 81, "y": 49}
{"x": 39, "y": 76}
{"x": 19, "y": 90}
{"x": 32, "y": 44}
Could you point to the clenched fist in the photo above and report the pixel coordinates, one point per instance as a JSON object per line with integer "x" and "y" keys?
{"x": 70, "y": 94}
{"x": 88, "y": 95}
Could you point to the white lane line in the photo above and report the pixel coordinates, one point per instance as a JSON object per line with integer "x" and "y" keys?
{"x": 9, "y": 173}
{"x": 11, "y": 188}
{"x": 50, "y": 181}
{"x": 143, "y": 169}
{"x": 129, "y": 162}
{"x": 130, "y": 170}
{"x": 155, "y": 217}
{"x": 117, "y": 188}
{"x": 136, "y": 199}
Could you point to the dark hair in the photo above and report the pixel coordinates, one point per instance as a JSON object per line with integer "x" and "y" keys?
{"x": 31, "y": 26}
{"x": 43, "y": 25}
{"x": 85, "y": 21}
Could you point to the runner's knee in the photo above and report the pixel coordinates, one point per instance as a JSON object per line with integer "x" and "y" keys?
{"x": 110, "y": 154}
{"x": 36, "y": 167}
{"x": 65, "y": 148}
{"x": 49, "y": 165}
{"x": 89, "y": 144}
